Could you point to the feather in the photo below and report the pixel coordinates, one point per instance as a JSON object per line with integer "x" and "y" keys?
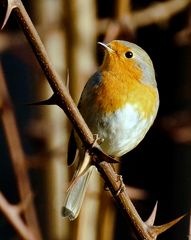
{"x": 75, "y": 195}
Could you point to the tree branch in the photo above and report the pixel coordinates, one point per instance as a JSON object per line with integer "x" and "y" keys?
{"x": 12, "y": 213}
{"x": 156, "y": 13}
{"x": 17, "y": 155}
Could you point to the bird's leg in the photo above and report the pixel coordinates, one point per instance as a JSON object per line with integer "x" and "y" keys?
{"x": 96, "y": 150}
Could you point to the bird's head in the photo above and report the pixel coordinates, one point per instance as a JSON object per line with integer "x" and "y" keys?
{"x": 128, "y": 58}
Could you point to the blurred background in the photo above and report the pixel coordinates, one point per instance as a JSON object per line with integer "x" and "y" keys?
{"x": 33, "y": 139}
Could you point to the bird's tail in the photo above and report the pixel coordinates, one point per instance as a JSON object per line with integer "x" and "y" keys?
{"x": 76, "y": 195}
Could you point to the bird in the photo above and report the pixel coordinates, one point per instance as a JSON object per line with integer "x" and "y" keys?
{"x": 119, "y": 103}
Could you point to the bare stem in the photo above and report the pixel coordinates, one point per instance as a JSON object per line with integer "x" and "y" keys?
{"x": 17, "y": 156}
{"x": 159, "y": 12}
{"x": 153, "y": 14}
{"x": 123, "y": 200}
{"x": 11, "y": 212}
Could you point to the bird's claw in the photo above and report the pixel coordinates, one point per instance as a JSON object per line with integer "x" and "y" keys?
{"x": 97, "y": 140}
{"x": 96, "y": 147}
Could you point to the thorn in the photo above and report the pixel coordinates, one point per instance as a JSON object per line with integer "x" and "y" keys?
{"x": 157, "y": 230}
{"x": 51, "y": 101}
{"x": 11, "y": 4}
{"x": 151, "y": 219}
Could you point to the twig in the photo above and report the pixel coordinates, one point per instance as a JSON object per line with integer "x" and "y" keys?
{"x": 142, "y": 230}
{"x": 17, "y": 156}
{"x": 158, "y": 12}
{"x": 12, "y": 213}
{"x": 154, "y": 14}
{"x": 121, "y": 24}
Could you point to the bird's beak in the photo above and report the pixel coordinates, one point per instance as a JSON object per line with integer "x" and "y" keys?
{"x": 105, "y": 46}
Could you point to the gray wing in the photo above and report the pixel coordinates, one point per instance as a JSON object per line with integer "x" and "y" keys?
{"x": 93, "y": 82}
{"x": 72, "y": 146}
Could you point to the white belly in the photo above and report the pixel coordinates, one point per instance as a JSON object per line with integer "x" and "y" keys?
{"x": 121, "y": 131}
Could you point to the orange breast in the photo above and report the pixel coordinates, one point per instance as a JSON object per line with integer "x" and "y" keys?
{"x": 116, "y": 90}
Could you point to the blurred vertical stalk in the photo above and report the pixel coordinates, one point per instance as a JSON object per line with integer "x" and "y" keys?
{"x": 123, "y": 7}
{"x": 107, "y": 217}
{"x": 81, "y": 45}
{"x": 49, "y": 14}
{"x": 81, "y": 39}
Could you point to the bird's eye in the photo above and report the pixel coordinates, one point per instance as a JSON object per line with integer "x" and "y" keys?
{"x": 129, "y": 54}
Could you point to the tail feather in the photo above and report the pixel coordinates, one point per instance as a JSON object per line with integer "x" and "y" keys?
{"x": 76, "y": 195}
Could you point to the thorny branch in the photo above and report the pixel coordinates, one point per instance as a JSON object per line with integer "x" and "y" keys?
{"x": 156, "y": 13}
{"x": 159, "y": 12}
{"x": 17, "y": 155}
{"x": 12, "y": 213}
{"x": 62, "y": 98}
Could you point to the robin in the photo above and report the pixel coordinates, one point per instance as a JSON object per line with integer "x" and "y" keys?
{"x": 119, "y": 103}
